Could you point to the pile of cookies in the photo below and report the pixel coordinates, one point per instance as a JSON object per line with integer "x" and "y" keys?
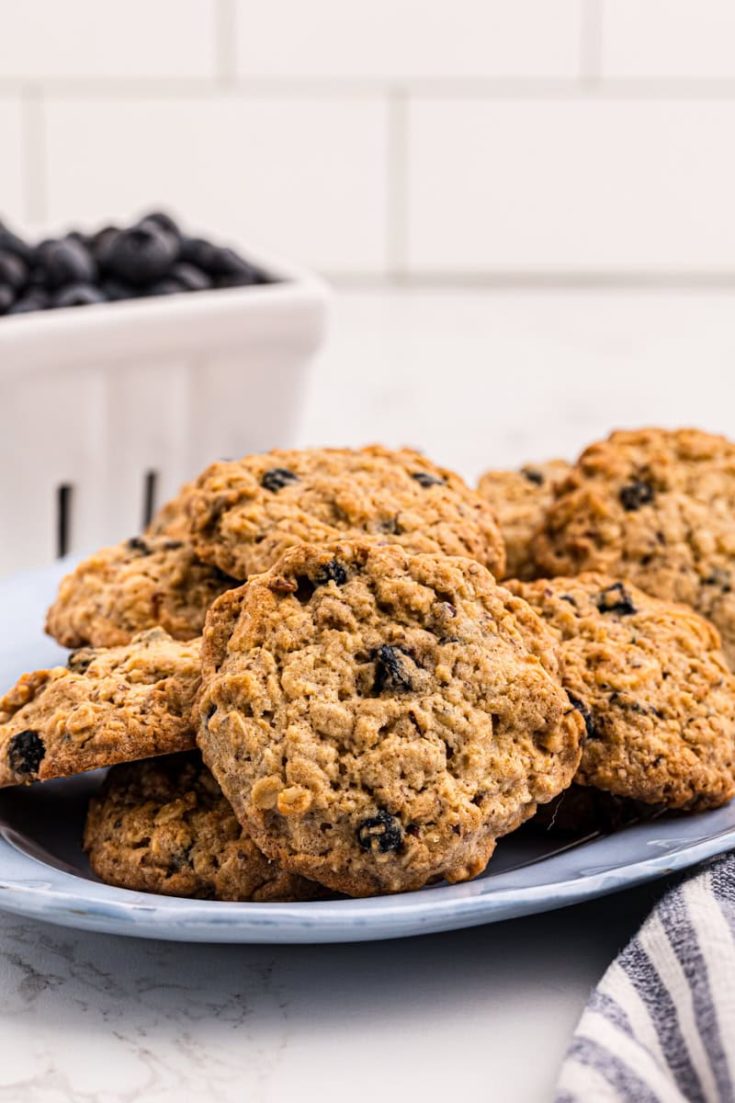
{"x": 307, "y": 678}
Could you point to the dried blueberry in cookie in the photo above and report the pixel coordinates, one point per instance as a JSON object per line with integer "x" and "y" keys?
{"x": 589, "y": 720}
{"x": 616, "y": 599}
{"x": 277, "y": 477}
{"x": 636, "y": 494}
{"x": 390, "y": 672}
{"x": 333, "y": 572}
{"x": 534, "y": 475}
{"x": 423, "y": 478}
{"x": 25, "y": 752}
{"x": 139, "y": 545}
{"x": 381, "y": 833}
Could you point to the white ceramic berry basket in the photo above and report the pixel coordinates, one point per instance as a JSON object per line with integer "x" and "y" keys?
{"x": 107, "y": 409}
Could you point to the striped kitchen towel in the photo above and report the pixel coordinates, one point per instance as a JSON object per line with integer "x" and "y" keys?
{"x": 660, "y": 1026}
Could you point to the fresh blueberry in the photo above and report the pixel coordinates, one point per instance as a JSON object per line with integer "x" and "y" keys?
{"x": 7, "y": 298}
{"x": 11, "y": 243}
{"x": 34, "y": 299}
{"x": 165, "y": 221}
{"x": 239, "y": 279}
{"x": 36, "y": 277}
{"x": 99, "y": 243}
{"x": 234, "y": 271}
{"x": 112, "y": 264}
{"x": 218, "y": 261}
{"x": 229, "y": 263}
{"x": 65, "y": 261}
{"x": 13, "y": 270}
{"x": 140, "y": 255}
{"x": 115, "y": 290}
{"x": 77, "y": 235}
{"x": 77, "y": 294}
{"x": 200, "y": 253}
{"x": 190, "y": 277}
{"x": 166, "y": 286}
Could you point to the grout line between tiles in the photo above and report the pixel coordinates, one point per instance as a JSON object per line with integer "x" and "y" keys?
{"x": 226, "y": 42}
{"x": 397, "y": 108}
{"x": 590, "y": 62}
{"x": 559, "y": 280}
{"x": 526, "y": 88}
{"x": 34, "y": 155}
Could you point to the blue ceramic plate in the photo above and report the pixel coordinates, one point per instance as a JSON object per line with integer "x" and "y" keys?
{"x": 43, "y": 872}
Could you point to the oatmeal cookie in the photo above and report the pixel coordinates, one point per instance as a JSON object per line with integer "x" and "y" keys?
{"x": 656, "y": 506}
{"x": 146, "y": 582}
{"x": 378, "y": 720}
{"x": 519, "y": 500}
{"x": 243, "y": 515}
{"x": 109, "y": 705}
{"x": 164, "y": 826}
{"x": 653, "y": 686}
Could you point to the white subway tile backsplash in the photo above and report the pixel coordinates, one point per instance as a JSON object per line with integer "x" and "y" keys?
{"x": 392, "y": 135}
{"x": 304, "y": 176}
{"x": 538, "y": 185}
{"x": 47, "y": 39}
{"x": 405, "y": 39}
{"x": 13, "y": 177}
{"x": 668, "y": 38}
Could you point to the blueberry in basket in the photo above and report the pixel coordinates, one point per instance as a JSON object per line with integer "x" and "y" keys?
{"x": 152, "y": 257}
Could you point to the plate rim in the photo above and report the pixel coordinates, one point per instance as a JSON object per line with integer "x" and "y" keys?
{"x": 52, "y": 894}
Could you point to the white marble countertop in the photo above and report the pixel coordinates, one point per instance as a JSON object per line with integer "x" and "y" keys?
{"x": 477, "y": 378}
{"x": 483, "y": 1014}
